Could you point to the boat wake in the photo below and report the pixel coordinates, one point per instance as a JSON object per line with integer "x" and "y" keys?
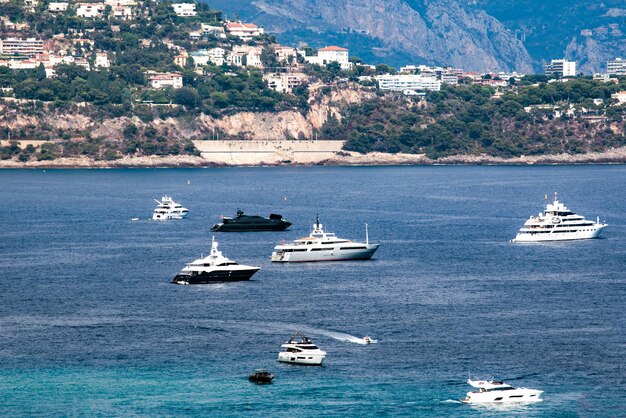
{"x": 452, "y": 401}
{"x": 340, "y": 336}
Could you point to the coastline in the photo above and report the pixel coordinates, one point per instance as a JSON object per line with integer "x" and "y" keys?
{"x": 343, "y": 158}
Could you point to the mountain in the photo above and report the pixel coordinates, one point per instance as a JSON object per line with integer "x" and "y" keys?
{"x": 588, "y": 32}
{"x": 397, "y": 32}
{"x": 474, "y": 34}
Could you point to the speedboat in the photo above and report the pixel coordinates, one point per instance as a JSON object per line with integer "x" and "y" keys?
{"x": 214, "y": 268}
{"x": 301, "y": 350}
{"x": 323, "y": 246}
{"x": 261, "y": 376}
{"x": 368, "y": 340}
{"x": 493, "y": 391}
{"x": 168, "y": 209}
{"x": 558, "y": 223}
{"x": 244, "y": 222}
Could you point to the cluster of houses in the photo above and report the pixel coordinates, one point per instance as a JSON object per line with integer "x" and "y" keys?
{"x": 287, "y": 74}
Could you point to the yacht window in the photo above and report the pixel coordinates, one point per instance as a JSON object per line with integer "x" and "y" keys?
{"x": 498, "y": 399}
{"x": 516, "y": 396}
{"x": 353, "y": 248}
{"x": 319, "y": 249}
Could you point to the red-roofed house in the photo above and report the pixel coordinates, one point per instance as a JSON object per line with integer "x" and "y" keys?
{"x": 245, "y": 31}
{"x": 330, "y": 54}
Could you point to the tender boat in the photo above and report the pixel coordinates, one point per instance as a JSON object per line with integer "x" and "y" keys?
{"x": 261, "y": 376}
{"x": 323, "y": 246}
{"x": 558, "y": 223}
{"x": 301, "y": 350}
{"x": 168, "y": 209}
{"x": 492, "y": 391}
{"x": 244, "y": 222}
{"x": 368, "y": 340}
{"x": 214, "y": 268}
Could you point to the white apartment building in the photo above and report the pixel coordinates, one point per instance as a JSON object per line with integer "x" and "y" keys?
{"x": 28, "y": 47}
{"x": 330, "y": 54}
{"x": 90, "y": 10}
{"x": 203, "y": 57}
{"x": 162, "y": 80}
{"x": 55, "y": 7}
{"x": 562, "y": 67}
{"x": 616, "y": 67}
{"x": 184, "y": 9}
{"x": 401, "y": 82}
{"x": 245, "y": 31}
{"x": 284, "y": 82}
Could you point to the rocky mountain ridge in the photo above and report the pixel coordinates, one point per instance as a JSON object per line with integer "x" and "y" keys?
{"x": 477, "y": 35}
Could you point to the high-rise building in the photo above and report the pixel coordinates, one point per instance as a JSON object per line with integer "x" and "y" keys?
{"x": 28, "y": 47}
{"x": 562, "y": 67}
{"x": 616, "y": 67}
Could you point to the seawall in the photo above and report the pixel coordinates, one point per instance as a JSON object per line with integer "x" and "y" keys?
{"x": 268, "y": 152}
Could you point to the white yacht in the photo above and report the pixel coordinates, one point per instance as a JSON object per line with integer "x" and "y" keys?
{"x": 168, "y": 209}
{"x": 558, "y": 223}
{"x": 214, "y": 268}
{"x": 492, "y": 391}
{"x": 301, "y": 350}
{"x": 323, "y": 246}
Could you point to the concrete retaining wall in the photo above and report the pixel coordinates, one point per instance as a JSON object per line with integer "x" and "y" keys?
{"x": 267, "y": 152}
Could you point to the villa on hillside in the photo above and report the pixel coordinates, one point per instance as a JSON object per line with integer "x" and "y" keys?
{"x": 184, "y": 9}
{"x": 330, "y": 54}
{"x": 162, "y": 80}
{"x": 245, "y": 31}
{"x": 620, "y": 96}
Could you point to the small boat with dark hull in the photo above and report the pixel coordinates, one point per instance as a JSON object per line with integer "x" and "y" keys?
{"x": 243, "y": 222}
{"x": 261, "y": 376}
{"x": 214, "y": 268}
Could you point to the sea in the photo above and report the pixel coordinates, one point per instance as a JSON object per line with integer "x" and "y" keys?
{"x": 90, "y": 324}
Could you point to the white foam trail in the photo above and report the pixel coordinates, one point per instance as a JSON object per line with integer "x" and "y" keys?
{"x": 451, "y": 401}
{"x": 340, "y": 336}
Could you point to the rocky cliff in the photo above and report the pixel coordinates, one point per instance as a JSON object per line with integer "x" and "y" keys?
{"x": 449, "y": 32}
{"x": 474, "y": 34}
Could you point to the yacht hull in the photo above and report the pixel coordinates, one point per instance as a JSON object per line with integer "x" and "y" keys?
{"x": 335, "y": 254}
{"x": 216, "y": 276}
{"x": 507, "y": 396}
{"x": 587, "y": 233}
{"x": 169, "y": 217}
{"x": 234, "y": 227}
{"x": 301, "y": 358}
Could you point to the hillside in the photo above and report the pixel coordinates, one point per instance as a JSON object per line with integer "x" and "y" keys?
{"x": 476, "y": 35}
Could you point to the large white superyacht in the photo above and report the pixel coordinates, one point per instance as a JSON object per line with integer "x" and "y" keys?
{"x": 323, "y": 246}
{"x": 558, "y": 223}
{"x": 168, "y": 209}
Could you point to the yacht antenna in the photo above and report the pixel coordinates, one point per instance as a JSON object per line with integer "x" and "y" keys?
{"x": 317, "y": 220}
{"x": 367, "y": 239}
{"x": 555, "y": 196}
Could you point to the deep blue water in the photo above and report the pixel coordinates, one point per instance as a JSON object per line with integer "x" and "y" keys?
{"x": 90, "y": 325}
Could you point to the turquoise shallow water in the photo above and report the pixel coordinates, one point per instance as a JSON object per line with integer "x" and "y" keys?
{"x": 89, "y": 324}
